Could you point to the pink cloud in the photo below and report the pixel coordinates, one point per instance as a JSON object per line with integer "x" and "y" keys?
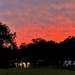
{"x": 46, "y": 20}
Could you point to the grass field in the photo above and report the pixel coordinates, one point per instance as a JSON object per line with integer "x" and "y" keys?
{"x": 37, "y": 71}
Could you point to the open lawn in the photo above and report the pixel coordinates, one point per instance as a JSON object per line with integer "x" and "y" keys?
{"x": 37, "y": 71}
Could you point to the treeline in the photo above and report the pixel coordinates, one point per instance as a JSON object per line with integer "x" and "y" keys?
{"x": 52, "y": 52}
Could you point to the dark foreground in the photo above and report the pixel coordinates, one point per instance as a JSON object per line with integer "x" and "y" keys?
{"x": 38, "y": 71}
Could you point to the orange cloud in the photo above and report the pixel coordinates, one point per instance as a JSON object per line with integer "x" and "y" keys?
{"x": 56, "y": 33}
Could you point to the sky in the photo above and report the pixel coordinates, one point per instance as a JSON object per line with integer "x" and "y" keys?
{"x": 47, "y": 19}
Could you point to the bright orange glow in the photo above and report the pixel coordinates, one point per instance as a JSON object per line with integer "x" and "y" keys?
{"x": 52, "y": 32}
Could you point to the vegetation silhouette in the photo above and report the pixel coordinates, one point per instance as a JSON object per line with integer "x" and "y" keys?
{"x": 53, "y": 53}
{"x": 40, "y": 52}
{"x": 7, "y": 44}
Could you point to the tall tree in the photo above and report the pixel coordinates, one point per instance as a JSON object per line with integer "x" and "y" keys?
{"x": 6, "y": 37}
{"x": 7, "y": 44}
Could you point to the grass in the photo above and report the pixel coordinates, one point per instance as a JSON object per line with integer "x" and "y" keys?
{"x": 37, "y": 71}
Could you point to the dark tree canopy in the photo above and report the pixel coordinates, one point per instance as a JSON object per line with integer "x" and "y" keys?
{"x": 38, "y": 40}
{"x": 6, "y": 37}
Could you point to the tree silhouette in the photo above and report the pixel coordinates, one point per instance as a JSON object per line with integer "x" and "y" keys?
{"x": 69, "y": 45}
{"x": 6, "y": 38}
{"x": 23, "y": 50}
{"x": 54, "y": 53}
{"x": 7, "y": 44}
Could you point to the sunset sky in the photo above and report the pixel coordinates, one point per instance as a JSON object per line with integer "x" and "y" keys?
{"x": 47, "y": 19}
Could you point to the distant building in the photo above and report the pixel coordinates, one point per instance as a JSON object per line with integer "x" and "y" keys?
{"x": 25, "y": 63}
